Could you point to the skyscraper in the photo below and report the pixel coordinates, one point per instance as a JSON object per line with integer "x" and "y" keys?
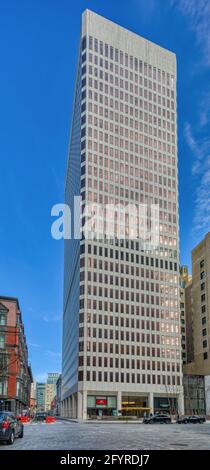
{"x": 52, "y": 377}
{"x": 121, "y": 319}
{"x": 40, "y": 396}
{"x": 50, "y": 389}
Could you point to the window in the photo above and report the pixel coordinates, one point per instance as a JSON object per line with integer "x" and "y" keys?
{"x": 80, "y": 375}
{"x": 202, "y": 264}
{"x": 2, "y": 319}
{"x": 3, "y": 387}
{"x": 2, "y": 341}
{"x": 83, "y": 43}
{"x": 205, "y": 355}
{"x": 3, "y": 315}
{"x": 18, "y": 390}
{"x": 204, "y": 332}
{"x": 203, "y": 297}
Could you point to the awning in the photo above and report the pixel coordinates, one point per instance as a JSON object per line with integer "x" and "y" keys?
{"x": 135, "y": 408}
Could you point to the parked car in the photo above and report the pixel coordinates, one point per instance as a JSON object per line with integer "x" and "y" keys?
{"x": 202, "y": 419}
{"x": 191, "y": 419}
{"x": 10, "y": 427}
{"x": 182, "y": 420}
{"x": 41, "y": 416}
{"x": 157, "y": 418}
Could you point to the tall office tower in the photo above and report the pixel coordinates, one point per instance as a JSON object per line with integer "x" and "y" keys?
{"x": 121, "y": 320}
{"x": 199, "y": 311}
{"x": 50, "y": 389}
{"x": 52, "y": 377}
{"x": 40, "y": 396}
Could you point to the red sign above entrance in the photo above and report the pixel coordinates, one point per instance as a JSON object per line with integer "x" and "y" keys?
{"x": 101, "y": 401}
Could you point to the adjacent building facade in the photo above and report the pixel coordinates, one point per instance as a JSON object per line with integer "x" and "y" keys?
{"x": 58, "y": 395}
{"x": 121, "y": 319}
{"x": 199, "y": 311}
{"x": 49, "y": 395}
{"x": 185, "y": 281}
{"x": 15, "y": 371}
{"x": 33, "y": 397}
{"x": 50, "y": 389}
{"x": 194, "y": 394}
{"x": 197, "y": 307}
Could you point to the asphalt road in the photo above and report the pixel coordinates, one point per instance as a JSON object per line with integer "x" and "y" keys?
{"x": 66, "y": 435}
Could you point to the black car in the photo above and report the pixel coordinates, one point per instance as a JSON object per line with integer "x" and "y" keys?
{"x": 157, "y": 418}
{"x": 10, "y": 427}
{"x": 191, "y": 419}
{"x": 41, "y": 416}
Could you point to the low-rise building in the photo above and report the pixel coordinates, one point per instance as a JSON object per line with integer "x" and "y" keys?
{"x": 15, "y": 371}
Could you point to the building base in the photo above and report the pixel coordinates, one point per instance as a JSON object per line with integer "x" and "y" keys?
{"x": 89, "y": 405}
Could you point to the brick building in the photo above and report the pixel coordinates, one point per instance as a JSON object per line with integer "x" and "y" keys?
{"x": 15, "y": 371}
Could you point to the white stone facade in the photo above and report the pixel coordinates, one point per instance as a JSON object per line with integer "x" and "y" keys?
{"x": 129, "y": 315}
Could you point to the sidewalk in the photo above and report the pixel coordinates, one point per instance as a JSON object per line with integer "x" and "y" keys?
{"x": 104, "y": 421}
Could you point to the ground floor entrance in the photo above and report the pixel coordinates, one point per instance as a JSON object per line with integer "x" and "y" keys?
{"x": 101, "y": 405}
{"x": 93, "y": 405}
{"x": 135, "y": 406}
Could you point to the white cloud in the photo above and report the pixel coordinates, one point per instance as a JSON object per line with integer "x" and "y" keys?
{"x": 54, "y": 354}
{"x": 41, "y": 377}
{"x": 198, "y": 13}
{"x": 200, "y": 148}
{"x": 202, "y": 204}
{"x": 34, "y": 345}
{"x": 45, "y": 318}
{"x": 205, "y": 110}
{"x": 194, "y": 146}
{"x": 53, "y": 318}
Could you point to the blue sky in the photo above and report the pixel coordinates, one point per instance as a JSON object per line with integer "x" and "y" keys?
{"x": 38, "y": 44}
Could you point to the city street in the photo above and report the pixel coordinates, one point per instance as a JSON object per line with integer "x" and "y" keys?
{"x": 66, "y": 435}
